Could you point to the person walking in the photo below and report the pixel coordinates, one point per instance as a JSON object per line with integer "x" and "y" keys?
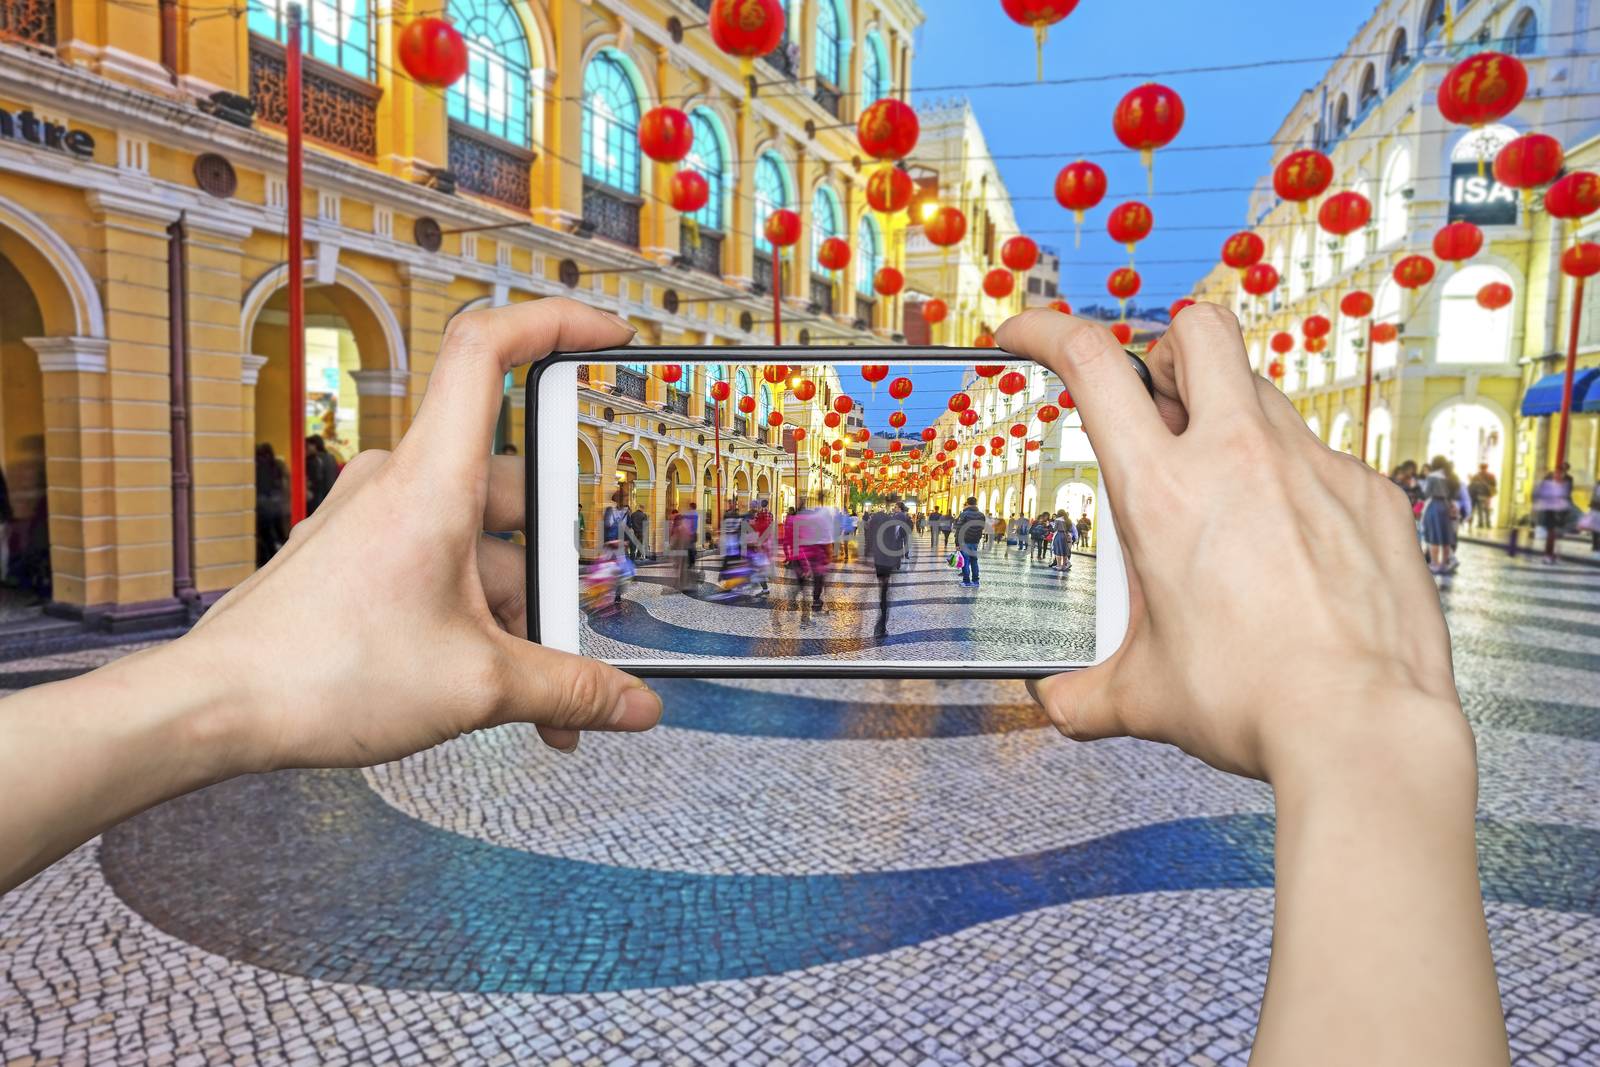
{"x": 888, "y": 540}
{"x": 1439, "y": 513}
{"x": 638, "y": 526}
{"x": 1552, "y": 499}
{"x": 272, "y": 505}
{"x": 969, "y": 527}
{"x": 997, "y": 533}
{"x": 933, "y": 530}
{"x": 321, "y": 470}
{"x": 1038, "y": 532}
{"x": 1481, "y": 489}
{"x": 947, "y": 526}
{"x": 813, "y": 538}
{"x": 1061, "y": 537}
{"x": 1084, "y": 526}
{"x": 763, "y": 551}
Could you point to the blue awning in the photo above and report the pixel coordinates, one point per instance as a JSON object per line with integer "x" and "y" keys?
{"x": 1544, "y": 396}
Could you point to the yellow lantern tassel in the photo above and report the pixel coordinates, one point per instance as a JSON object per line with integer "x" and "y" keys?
{"x": 1449, "y": 23}
{"x": 1077, "y": 229}
{"x": 747, "y": 70}
{"x": 692, "y": 226}
{"x": 1041, "y": 30}
{"x": 1149, "y": 159}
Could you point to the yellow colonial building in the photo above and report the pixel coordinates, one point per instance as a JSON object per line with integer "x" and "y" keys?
{"x": 142, "y": 243}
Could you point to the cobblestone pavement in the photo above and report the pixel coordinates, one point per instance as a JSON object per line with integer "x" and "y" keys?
{"x": 798, "y": 872}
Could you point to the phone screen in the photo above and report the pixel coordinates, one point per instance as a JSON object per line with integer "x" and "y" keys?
{"x": 911, "y": 513}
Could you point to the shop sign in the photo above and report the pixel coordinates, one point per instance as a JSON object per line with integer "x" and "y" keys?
{"x": 29, "y": 128}
{"x": 1478, "y": 198}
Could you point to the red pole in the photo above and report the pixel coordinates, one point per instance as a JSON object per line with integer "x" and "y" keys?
{"x": 716, "y": 431}
{"x": 1566, "y": 383}
{"x": 1022, "y": 490}
{"x": 1366, "y": 394}
{"x": 777, "y": 295}
{"x": 297, "y": 293}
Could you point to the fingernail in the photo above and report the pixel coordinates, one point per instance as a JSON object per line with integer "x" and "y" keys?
{"x": 568, "y": 749}
{"x": 620, "y": 321}
{"x": 638, "y": 709}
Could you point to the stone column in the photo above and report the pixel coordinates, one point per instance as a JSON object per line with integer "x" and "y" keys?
{"x": 425, "y": 308}
{"x": 78, "y": 469}
{"x": 383, "y": 399}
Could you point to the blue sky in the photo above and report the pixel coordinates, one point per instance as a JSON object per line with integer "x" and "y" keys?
{"x": 1138, "y": 39}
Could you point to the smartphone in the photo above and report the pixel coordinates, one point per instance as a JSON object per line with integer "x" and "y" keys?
{"x": 783, "y": 512}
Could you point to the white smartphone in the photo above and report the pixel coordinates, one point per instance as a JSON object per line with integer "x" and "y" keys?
{"x": 782, "y": 512}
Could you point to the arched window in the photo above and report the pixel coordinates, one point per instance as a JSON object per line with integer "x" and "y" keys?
{"x": 1469, "y": 333}
{"x": 1346, "y": 356}
{"x": 1314, "y": 424}
{"x": 1341, "y": 121}
{"x": 1355, "y": 245}
{"x": 741, "y": 385}
{"x": 337, "y": 32}
{"x": 766, "y": 404}
{"x": 1275, "y": 257}
{"x": 1321, "y": 256}
{"x": 772, "y": 193}
{"x": 869, "y": 253}
{"x": 830, "y": 42}
{"x": 493, "y": 95}
{"x": 875, "y": 81}
{"x": 1317, "y": 364}
{"x": 1380, "y": 431}
{"x": 1483, "y": 143}
{"x": 1523, "y": 40}
{"x": 1467, "y": 434}
{"x": 684, "y": 380}
{"x": 1386, "y": 308}
{"x": 1299, "y": 262}
{"x": 708, "y": 157}
{"x": 610, "y": 123}
{"x": 1368, "y": 94}
{"x": 1398, "y": 59}
{"x": 1432, "y": 22}
{"x": 826, "y": 221}
{"x": 1392, "y": 208}
{"x": 1341, "y": 433}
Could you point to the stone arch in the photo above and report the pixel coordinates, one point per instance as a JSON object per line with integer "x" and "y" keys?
{"x": 1074, "y": 496}
{"x": 1468, "y": 432}
{"x": 1342, "y": 432}
{"x": 636, "y": 65}
{"x": 644, "y": 472}
{"x": 763, "y": 485}
{"x": 69, "y": 302}
{"x": 368, "y": 304}
{"x": 588, "y": 458}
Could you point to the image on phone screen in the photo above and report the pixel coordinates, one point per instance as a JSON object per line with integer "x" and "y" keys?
{"x": 924, "y": 512}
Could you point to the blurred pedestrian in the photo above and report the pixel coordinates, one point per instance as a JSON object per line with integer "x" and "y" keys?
{"x": 272, "y": 504}
{"x": 1552, "y": 499}
{"x": 638, "y": 528}
{"x": 1440, "y": 513}
{"x": 969, "y": 527}
{"x": 321, "y": 471}
{"x": 1084, "y": 525}
{"x": 1061, "y": 537}
{"x": 1038, "y": 533}
{"x": 1481, "y": 489}
{"x": 888, "y": 540}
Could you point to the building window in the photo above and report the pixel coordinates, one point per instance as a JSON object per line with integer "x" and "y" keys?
{"x": 1368, "y": 96}
{"x": 707, "y": 157}
{"x": 610, "y": 123}
{"x": 493, "y": 95}
{"x": 1050, "y": 290}
{"x": 1523, "y": 40}
{"x": 830, "y": 41}
{"x": 1299, "y": 265}
{"x": 1469, "y": 333}
{"x": 1386, "y": 309}
{"x": 742, "y": 386}
{"x": 874, "y": 70}
{"x": 825, "y": 218}
{"x": 1355, "y": 245}
{"x": 336, "y": 32}
{"x": 869, "y": 254}
{"x": 1398, "y": 59}
{"x": 772, "y": 193}
{"x": 1035, "y": 285}
{"x": 1392, "y": 209}
{"x": 766, "y": 405}
{"x": 1432, "y": 22}
{"x": 1341, "y": 122}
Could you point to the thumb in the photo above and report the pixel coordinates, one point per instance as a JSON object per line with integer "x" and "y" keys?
{"x": 567, "y": 692}
{"x": 1079, "y": 702}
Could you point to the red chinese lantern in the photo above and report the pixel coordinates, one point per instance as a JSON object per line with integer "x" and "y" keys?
{"x": 1316, "y": 344}
{"x": 900, "y": 388}
{"x": 978, "y": 450}
{"x": 688, "y": 192}
{"x": 1494, "y": 296}
{"x": 947, "y": 227}
{"x": 433, "y": 52}
{"x": 873, "y": 373}
{"x": 1384, "y": 332}
{"x": 804, "y": 391}
{"x": 1129, "y": 223}
{"x": 1316, "y": 326}
{"x": 1146, "y": 119}
{"x": 799, "y": 433}
{"x": 1177, "y": 306}
{"x": 774, "y": 373}
{"x": 843, "y": 404}
{"x": 888, "y": 129}
{"x": 967, "y": 417}
{"x": 1061, "y": 306}
{"x": 1275, "y": 370}
{"x": 831, "y": 420}
{"x": 1457, "y": 241}
{"x": 665, "y": 134}
{"x": 1033, "y": 446}
{"x": 1041, "y": 15}
{"x": 1413, "y": 272}
{"x": 747, "y": 404}
{"x": 1302, "y": 176}
{"x": 1018, "y": 430}
{"x": 1012, "y": 382}
{"x": 1079, "y": 187}
{"x": 1049, "y": 413}
{"x": 928, "y": 434}
{"x": 834, "y": 254}
{"x": 888, "y": 281}
{"x": 1582, "y": 260}
{"x": 1527, "y": 162}
{"x": 1344, "y": 213}
{"x": 999, "y": 283}
{"x": 746, "y": 29}
{"x": 1244, "y": 249}
{"x": 1122, "y": 332}
{"x": 782, "y": 228}
{"x": 719, "y": 391}
{"x": 672, "y": 372}
{"x": 1260, "y": 279}
{"x": 1483, "y": 88}
{"x": 960, "y": 402}
{"x": 1019, "y": 253}
{"x": 1282, "y": 342}
{"x": 1575, "y": 196}
{"x": 863, "y": 435}
{"x": 774, "y": 419}
{"x": 985, "y": 340}
{"x": 988, "y": 370}
{"x": 897, "y": 419}
{"x": 996, "y": 444}
{"x": 889, "y": 189}
{"x": 1123, "y": 283}
{"x": 867, "y": 453}
{"x": 935, "y": 311}
{"x": 951, "y": 445}
{"x": 1357, "y": 304}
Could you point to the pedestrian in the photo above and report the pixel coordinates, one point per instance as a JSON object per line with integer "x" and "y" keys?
{"x": 680, "y": 545}
{"x": 638, "y": 526}
{"x": 1084, "y": 525}
{"x": 1061, "y": 536}
{"x": 969, "y": 527}
{"x": 272, "y": 504}
{"x": 934, "y": 519}
{"x": 1481, "y": 488}
{"x": 997, "y": 533}
{"x": 888, "y": 540}
{"x": 1017, "y": 536}
{"x": 848, "y": 524}
{"x": 1038, "y": 531}
{"x": 813, "y": 538}
{"x": 1439, "y": 513}
{"x": 692, "y": 519}
{"x": 321, "y": 470}
{"x": 947, "y": 527}
{"x": 1592, "y": 520}
{"x": 763, "y": 546}
{"x": 1552, "y": 499}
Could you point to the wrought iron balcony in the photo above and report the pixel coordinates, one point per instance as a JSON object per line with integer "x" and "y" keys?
{"x": 678, "y": 403}
{"x": 583, "y": 372}
{"x": 340, "y": 109}
{"x": 707, "y": 254}
{"x": 866, "y": 308}
{"x": 829, "y": 97}
{"x": 487, "y": 166}
{"x": 785, "y": 58}
{"x": 614, "y": 214}
{"x": 630, "y": 384}
{"x": 822, "y": 293}
{"x": 709, "y": 415}
{"x": 761, "y": 271}
{"x": 740, "y": 427}
{"x": 33, "y": 21}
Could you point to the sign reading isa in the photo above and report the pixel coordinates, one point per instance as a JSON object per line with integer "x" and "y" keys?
{"x": 1479, "y": 199}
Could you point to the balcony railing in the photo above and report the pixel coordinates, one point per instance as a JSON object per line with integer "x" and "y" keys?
{"x": 828, "y": 96}
{"x": 761, "y": 271}
{"x": 678, "y": 403}
{"x": 33, "y": 21}
{"x": 340, "y": 110}
{"x": 630, "y": 384}
{"x": 866, "y": 309}
{"x": 740, "y": 427}
{"x": 785, "y": 58}
{"x": 614, "y": 214}
{"x": 487, "y": 166}
{"x": 583, "y": 372}
{"x": 822, "y": 293}
{"x": 706, "y": 255}
{"x": 709, "y": 415}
